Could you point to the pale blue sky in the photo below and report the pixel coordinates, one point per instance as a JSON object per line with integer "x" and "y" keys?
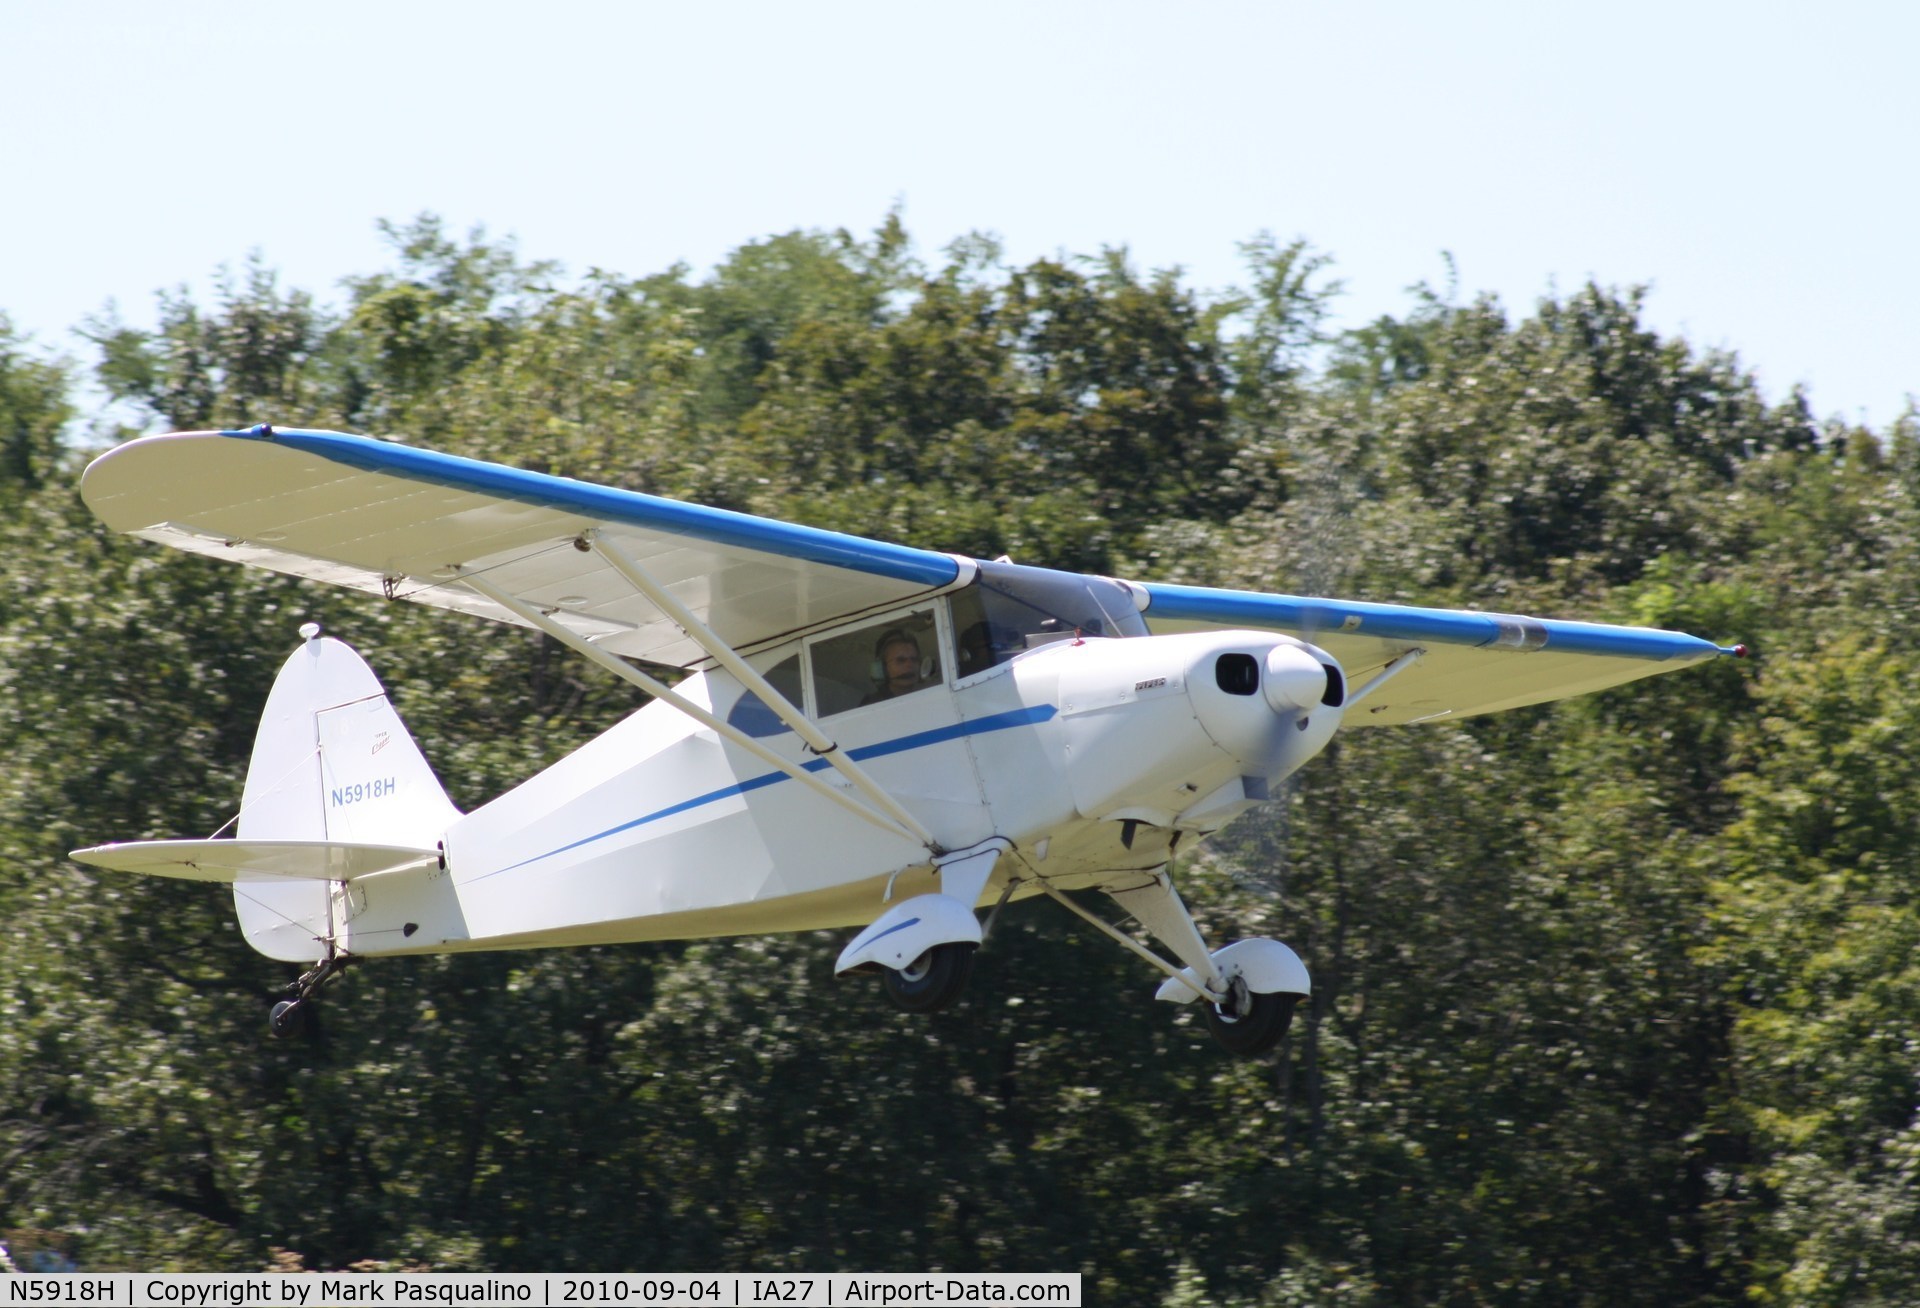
{"x": 1755, "y": 163}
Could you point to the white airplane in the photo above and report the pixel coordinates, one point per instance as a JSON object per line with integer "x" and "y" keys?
{"x": 867, "y": 736}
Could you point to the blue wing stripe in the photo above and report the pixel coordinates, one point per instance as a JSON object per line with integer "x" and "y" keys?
{"x": 1403, "y": 622}
{"x": 604, "y": 503}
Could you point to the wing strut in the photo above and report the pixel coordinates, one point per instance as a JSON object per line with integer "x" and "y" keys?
{"x": 661, "y": 691}
{"x": 1212, "y": 989}
{"x": 1386, "y": 674}
{"x": 709, "y": 640}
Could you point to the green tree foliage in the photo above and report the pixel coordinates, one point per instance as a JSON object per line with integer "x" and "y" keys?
{"x": 1818, "y": 925}
{"x": 33, "y": 411}
{"x": 1575, "y": 443}
{"x": 1612, "y": 999}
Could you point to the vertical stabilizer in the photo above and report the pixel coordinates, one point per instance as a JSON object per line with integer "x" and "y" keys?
{"x": 332, "y": 762}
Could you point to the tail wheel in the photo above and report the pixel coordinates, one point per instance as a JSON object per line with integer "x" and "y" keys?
{"x": 1250, "y": 1023}
{"x": 932, "y": 981}
{"x": 288, "y": 1016}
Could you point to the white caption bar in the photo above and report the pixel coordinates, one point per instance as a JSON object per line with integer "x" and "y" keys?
{"x": 544, "y": 1289}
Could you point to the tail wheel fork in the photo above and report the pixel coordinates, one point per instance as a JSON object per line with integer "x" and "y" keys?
{"x": 290, "y": 1014}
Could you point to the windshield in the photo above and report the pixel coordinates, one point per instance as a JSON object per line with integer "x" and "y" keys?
{"x": 1013, "y": 608}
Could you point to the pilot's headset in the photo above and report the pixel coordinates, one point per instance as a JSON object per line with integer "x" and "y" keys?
{"x": 897, "y": 636}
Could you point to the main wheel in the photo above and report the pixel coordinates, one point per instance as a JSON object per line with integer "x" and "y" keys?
{"x": 287, "y": 1017}
{"x": 1250, "y": 1023}
{"x": 932, "y": 981}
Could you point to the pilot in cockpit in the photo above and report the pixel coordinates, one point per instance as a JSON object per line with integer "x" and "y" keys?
{"x": 897, "y": 666}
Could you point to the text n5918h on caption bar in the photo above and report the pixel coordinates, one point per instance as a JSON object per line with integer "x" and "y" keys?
{"x": 544, "y": 1289}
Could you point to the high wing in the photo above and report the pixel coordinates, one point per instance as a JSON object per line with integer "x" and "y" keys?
{"x": 1468, "y": 662}
{"x": 461, "y": 534}
{"x": 407, "y": 523}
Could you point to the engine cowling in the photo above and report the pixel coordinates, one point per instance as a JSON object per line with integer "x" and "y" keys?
{"x": 1155, "y": 725}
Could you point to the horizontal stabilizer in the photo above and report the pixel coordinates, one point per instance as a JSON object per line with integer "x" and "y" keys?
{"x": 254, "y": 860}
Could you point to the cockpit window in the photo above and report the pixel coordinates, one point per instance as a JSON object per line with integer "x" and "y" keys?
{"x": 1012, "y": 608}
{"x": 878, "y": 662}
{"x": 752, "y": 715}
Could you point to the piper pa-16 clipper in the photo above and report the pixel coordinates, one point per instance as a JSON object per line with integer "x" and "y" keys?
{"x": 868, "y": 735}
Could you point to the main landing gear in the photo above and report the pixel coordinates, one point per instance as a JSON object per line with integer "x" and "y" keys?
{"x": 923, "y": 947}
{"x": 1248, "y": 989}
{"x": 923, "y": 950}
{"x": 1250, "y": 1023}
{"x": 290, "y": 1015}
{"x": 932, "y": 981}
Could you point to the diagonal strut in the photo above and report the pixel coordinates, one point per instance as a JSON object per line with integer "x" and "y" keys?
{"x": 661, "y": 691}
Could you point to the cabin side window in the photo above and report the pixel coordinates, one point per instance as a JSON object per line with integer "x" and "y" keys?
{"x": 884, "y": 660}
{"x": 752, "y": 715}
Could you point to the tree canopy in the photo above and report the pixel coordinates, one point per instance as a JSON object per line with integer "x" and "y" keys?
{"x": 1612, "y": 998}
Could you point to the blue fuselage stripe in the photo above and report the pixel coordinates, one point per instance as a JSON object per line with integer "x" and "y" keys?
{"x": 918, "y": 740}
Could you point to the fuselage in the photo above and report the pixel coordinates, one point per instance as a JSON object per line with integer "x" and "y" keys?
{"x": 1093, "y": 755}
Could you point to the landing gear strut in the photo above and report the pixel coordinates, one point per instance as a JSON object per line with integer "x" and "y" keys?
{"x": 1248, "y": 990}
{"x": 289, "y": 1015}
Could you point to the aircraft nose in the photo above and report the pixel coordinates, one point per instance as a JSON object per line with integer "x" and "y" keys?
{"x": 1271, "y": 703}
{"x": 1297, "y": 680}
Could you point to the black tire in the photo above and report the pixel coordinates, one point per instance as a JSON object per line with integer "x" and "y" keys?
{"x": 287, "y": 1018}
{"x": 932, "y": 981}
{"x": 1250, "y": 1023}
